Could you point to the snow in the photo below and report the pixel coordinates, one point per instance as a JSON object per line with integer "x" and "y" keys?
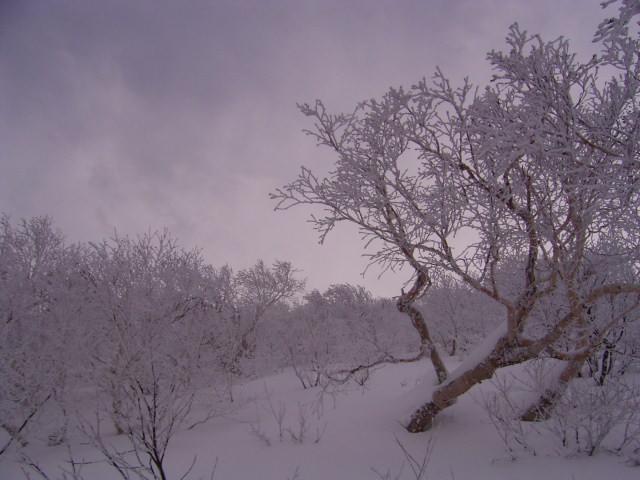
{"x": 360, "y": 425}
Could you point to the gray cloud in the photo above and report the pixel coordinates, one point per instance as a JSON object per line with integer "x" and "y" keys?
{"x": 137, "y": 115}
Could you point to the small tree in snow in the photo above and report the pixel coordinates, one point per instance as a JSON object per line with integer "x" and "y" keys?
{"x": 41, "y": 299}
{"x": 243, "y": 300}
{"x": 260, "y": 288}
{"x": 149, "y": 321}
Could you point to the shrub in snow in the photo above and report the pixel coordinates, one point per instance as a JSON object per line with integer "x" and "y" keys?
{"x": 587, "y": 418}
{"x": 590, "y": 417}
{"x": 301, "y": 429}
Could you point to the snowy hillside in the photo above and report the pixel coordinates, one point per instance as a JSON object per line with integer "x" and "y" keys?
{"x": 354, "y": 434}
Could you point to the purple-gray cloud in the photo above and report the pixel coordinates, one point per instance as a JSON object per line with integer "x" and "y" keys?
{"x": 138, "y": 115}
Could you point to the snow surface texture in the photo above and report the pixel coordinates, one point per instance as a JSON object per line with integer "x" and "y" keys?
{"x": 348, "y": 434}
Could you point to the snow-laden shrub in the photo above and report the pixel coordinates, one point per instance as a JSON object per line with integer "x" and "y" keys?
{"x": 587, "y": 418}
{"x": 343, "y": 328}
{"x": 591, "y": 417}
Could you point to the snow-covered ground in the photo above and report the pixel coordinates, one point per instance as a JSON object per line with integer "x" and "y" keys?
{"x": 349, "y": 434}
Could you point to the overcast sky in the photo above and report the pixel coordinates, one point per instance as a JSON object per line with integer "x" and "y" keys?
{"x": 136, "y": 115}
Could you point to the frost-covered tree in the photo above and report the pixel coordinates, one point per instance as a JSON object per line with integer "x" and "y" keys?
{"x": 41, "y": 302}
{"x": 539, "y": 171}
{"x": 150, "y": 319}
{"x": 244, "y": 299}
{"x": 260, "y": 288}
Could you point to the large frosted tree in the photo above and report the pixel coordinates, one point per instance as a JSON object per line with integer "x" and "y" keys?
{"x": 539, "y": 171}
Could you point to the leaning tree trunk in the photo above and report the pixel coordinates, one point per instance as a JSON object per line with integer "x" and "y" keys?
{"x": 502, "y": 354}
{"x": 543, "y": 407}
{"x": 444, "y": 396}
{"x": 405, "y": 304}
